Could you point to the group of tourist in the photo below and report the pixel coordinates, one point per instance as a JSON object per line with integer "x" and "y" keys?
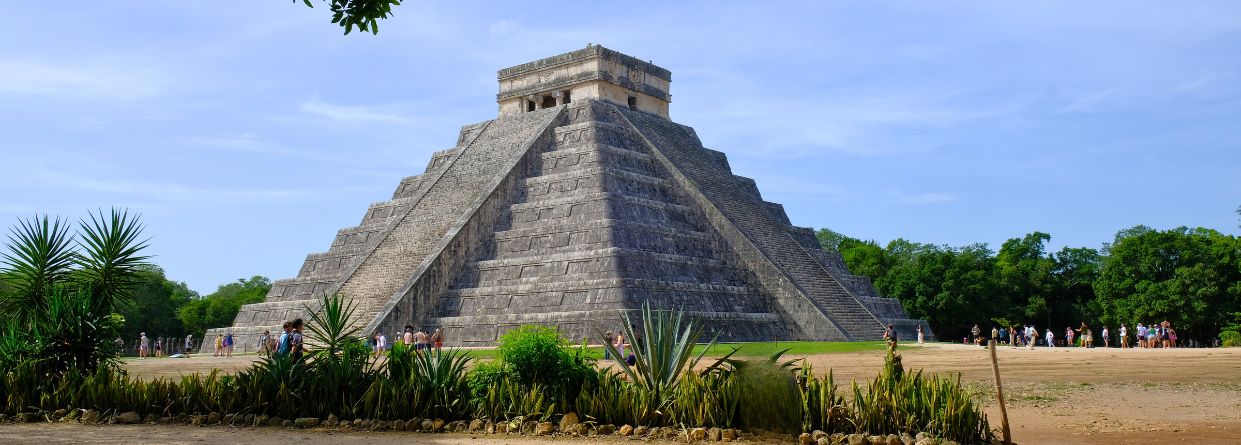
{"x": 1157, "y": 335}
{"x": 418, "y": 340}
{"x": 224, "y": 345}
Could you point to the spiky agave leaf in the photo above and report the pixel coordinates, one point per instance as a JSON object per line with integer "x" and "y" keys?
{"x": 111, "y": 257}
{"x": 40, "y": 255}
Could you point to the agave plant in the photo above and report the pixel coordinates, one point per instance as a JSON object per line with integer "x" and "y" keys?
{"x": 663, "y": 354}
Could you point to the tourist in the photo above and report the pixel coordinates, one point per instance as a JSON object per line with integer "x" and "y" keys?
{"x": 264, "y": 344}
{"x": 407, "y": 339}
{"x": 607, "y": 339}
{"x": 381, "y": 343}
{"x": 189, "y": 344}
{"x": 1085, "y": 336}
{"x": 1013, "y": 338}
{"x": 282, "y": 345}
{"x": 1003, "y": 335}
{"x": 295, "y": 339}
{"x": 890, "y": 335}
{"x": 1164, "y": 337}
{"x": 159, "y": 348}
{"x": 1031, "y": 337}
{"x": 920, "y": 337}
{"x": 219, "y": 345}
{"x": 620, "y": 344}
{"x": 1051, "y": 339}
{"x": 975, "y": 334}
{"x": 437, "y": 339}
{"x": 426, "y": 341}
{"x": 1171, "y": 337}
{"x": 1107, "y": 342}
{"x": 1141, "y": 336}
{"x": 1068, "y": 336}
{"x": 143, "y": 342}
{"x": 228, "y": 344}
{"x": 1124, "y": 336}
{"x": 995, "y": 334}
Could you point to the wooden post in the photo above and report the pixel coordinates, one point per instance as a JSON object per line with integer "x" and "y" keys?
{"x": 999, "y": 394}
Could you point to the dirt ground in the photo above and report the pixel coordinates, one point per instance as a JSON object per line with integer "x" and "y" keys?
{"x": 1055, "y": 396}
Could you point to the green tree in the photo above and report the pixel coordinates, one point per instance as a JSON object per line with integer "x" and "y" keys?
{"x": 1024, "y": 278}
{"x": 1190, "y": 277}
{"x": 950, "y": 288}
{"x": 829, "y": 239}
{"x": 220, "y": 307}
{"x": 363, "y": 14}
{"x": 157, "y": 301}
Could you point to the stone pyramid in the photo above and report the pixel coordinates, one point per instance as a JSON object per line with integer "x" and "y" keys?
{"x": 581, "y": 200}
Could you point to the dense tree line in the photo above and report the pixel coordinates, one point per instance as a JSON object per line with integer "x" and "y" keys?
{"x": 219, "y": 308}
{"x": 1190, "y": 277}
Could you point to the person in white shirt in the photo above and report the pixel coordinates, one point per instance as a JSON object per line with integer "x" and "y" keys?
{"x": 1107, "y": 341}
{"x": 382, "y": 344}
{"x": 1124, "y": 336}
{"x": 1051, "y": 339}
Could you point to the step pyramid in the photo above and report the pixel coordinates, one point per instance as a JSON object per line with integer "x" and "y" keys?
{"x": 581, "y": 200}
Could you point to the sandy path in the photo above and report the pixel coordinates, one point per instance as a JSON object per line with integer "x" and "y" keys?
{"x": 1059, "y": 395}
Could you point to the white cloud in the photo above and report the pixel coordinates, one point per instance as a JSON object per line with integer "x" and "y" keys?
{"x": 349, "y": 113}
{"x": 111, "y": 79}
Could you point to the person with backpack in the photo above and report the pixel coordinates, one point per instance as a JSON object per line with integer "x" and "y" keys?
{"x": 296, "y": 350}
{"x": 282, "y": 345}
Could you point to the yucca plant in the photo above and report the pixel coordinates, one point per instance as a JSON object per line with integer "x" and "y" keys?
{"x": 341, "y": 365}
{"x": 823, "y": 407}
{"x": 110, "y": 257}
{"x": 40, "y": 256}
{"x": 664, "y": 353}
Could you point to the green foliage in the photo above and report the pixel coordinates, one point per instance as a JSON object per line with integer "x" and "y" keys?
{"x": 664, "y": 352}
{"x": 40, "y": 256}
{"x": 156, "y": 303}
{"x": 539, "y": 356}
{"x": 896, "y": 402}
{"x": 1230, "y": 339}
{"x": 1191, "y": 277}
{"x": 769, "y": 391}
{"x": 363, "y": 14}
{"x": 219, "y": 308}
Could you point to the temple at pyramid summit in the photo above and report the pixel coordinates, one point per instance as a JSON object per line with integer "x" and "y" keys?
{"x": 582, "y": 199}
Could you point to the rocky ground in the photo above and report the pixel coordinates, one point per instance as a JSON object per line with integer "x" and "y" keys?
{"x": 1071, "y": 396}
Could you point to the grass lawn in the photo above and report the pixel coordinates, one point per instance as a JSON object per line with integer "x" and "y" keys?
{"x": 759, "y": 349}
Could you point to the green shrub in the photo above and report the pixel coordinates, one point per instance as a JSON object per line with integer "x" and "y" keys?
{"x": 770, "y": 395}
{"x": 1230, "y": 339}
{"x": 539, "y": 356}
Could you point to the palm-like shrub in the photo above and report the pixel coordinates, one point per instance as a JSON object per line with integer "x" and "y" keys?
{"x": 61, "y": 290}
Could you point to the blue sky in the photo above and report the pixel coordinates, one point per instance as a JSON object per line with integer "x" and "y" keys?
{"x": 248, "y": 132}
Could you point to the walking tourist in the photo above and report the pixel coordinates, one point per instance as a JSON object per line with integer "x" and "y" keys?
{"x": 295, "y": 339}
{"x": 1171, "y": 337}
{"x": 407, "y": 338}
{"x": 1085, "y": 336}
{"x": 1068, "y": 336}
{"x": 1051, "y": 339}
{"x": 159, "y": 348}
{"x": 228, "y": 344}
{"x": 143, "y": 342}
{"x": 920, "y": 338}
{"x": 890, "y": 335}
{"x": 607, "y": 338}
{"x": 1142, "y": 331}
{"x": 975, "y": 332}
{"x": 437, "y": 339}
{"x": 282, "y": 345}
{"x": 1031, "y": 337}
{"x": 1124, "y": 336}
{"x": 381, "y": 343}
{"x": 995, "y": 334}
{"x": 620, "y": 344}
{"x": 219, "y": 345}
{"x": 1013, "y": 338}
{"x": 189, "y": 344}
{"x": 426, "y": 341}
{"x": 1003, "y": 335}
{"x": 264, "y": 344}
{"x": 1107, "y": 342}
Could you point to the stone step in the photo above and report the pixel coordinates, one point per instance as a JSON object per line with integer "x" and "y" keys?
{"x": 598, "y": 234}
{"x": 587, "y": 155}
{"x": 588, "y": 325}
{"x": 595, "y": 206}
{"x": 300, "y": 288}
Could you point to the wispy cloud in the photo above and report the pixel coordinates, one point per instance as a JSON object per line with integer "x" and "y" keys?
{"x": 111, "y": 79}
{"x": 349, "y": 113}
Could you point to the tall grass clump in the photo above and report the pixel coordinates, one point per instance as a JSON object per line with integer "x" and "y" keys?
{"x": 769, "y": 392}
{"x": 896, "y": 402}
